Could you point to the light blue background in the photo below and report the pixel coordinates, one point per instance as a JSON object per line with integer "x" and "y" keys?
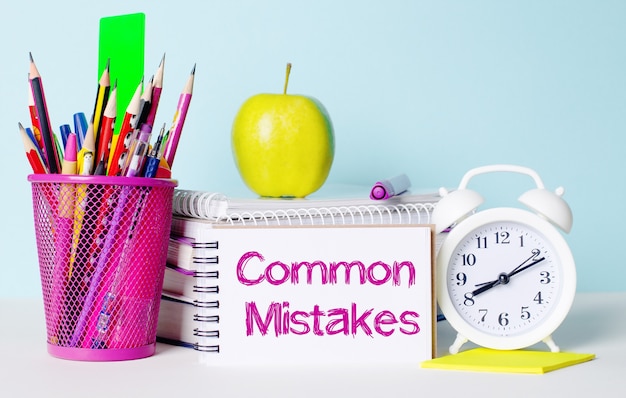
{"x": 429, "y": 88}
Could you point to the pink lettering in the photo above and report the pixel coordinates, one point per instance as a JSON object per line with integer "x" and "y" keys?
{"x": 295, "y": 269}
{"x": 317, "y": 314}
{"x": 296, "y": 319}
{"x": 385, "y": 318}
{"x": 269, "y": 274}
{"x": 372, "y": 276}
{"x": 241, "y": 265}
{"x": 404, "y": 318}
{"x": 397, "y": 268}
{"x": 278, "y": 272}
{"x": 361, "y": 322}
{"x": 336, "y": 321}
{"x": 340, "y": 324}
{"x": 347, "y": 270}
{"x": 253, "y": 316}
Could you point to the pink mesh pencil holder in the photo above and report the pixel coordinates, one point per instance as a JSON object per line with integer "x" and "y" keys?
{"x": 102, "y": 248}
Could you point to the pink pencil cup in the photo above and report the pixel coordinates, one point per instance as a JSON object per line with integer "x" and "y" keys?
{"x": 102, "y": 247}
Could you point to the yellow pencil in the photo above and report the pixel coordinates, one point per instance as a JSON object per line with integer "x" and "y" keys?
{"x": 102, "y": 96}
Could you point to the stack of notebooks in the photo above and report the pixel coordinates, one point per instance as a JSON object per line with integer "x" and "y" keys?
{"x": 345, "y": 280}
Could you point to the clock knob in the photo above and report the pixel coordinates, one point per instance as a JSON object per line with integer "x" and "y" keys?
{"x": 454, "y": 206}
{"x": 549, "y": 205}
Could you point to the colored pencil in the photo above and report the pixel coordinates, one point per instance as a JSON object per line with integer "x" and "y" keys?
{"x": 139, "y": 125}
{"x": 106, "y": 134}
{"x": 179, "y": 119}
{"x": 102, "y": 97}
{"x": 122, "y": 143}
{"x": 157, "y": 88}
{"x": 51, "y": 152}
{"x": 32, "y": 154}
{"x": 145, "y": 104}
{"x": 33, "y": 118}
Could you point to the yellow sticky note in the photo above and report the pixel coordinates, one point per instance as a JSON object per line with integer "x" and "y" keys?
{"x": 505, "y": 361}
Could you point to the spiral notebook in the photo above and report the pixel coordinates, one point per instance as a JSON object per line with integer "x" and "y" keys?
{"x": 303, "y": 294}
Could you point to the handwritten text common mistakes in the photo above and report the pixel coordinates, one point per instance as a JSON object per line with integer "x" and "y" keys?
{"x": 280, "y": 319}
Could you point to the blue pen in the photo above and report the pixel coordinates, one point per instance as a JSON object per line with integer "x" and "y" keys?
{"x": 65, "y": 132}
{"x": 80, "y": 128}
{"x": 154, "y": 158}
{"x": 390, "y": 187}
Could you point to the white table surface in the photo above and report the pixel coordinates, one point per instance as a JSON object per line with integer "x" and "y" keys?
{"x": 596, "y": 324}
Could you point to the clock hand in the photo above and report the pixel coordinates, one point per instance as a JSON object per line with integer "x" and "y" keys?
{"x": 535, "y": 253}
{"x": 504, "y": 278}
{"x": 493, "y": 283}
{"x": 518, "y": 270}
{"x": 485, "y": 287}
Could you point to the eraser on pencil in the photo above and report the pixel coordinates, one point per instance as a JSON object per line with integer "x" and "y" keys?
{"x": 390, "y": 187}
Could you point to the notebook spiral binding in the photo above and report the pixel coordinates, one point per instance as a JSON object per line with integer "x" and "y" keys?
{"x": 216, "y": 207}
{"x": 413, "y": 213}
{"x": 207, "y": 293}
{"x": 198, "y": 204}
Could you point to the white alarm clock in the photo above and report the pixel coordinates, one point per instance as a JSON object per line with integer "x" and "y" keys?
{"x": 506, "y": 278}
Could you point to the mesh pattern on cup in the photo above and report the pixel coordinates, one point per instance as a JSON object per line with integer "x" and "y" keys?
{"x": 102, "y": 251}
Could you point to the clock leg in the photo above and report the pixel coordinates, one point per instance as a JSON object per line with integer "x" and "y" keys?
{"x": 550, "y": 343}
{"x": 458, "y": 342}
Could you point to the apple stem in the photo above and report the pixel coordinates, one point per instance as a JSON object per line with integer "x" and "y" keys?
{"x": 287, "y": 77}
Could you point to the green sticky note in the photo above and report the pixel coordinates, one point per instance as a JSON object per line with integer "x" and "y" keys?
{"x": 122, "y": 40}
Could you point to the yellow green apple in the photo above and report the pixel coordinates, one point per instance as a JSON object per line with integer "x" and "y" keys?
{"x": 283, "y": 144}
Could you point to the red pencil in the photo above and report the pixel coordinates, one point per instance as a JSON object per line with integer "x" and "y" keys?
{"x": 106, "y": 134}
{"x": 120, "y": 151}
{"x": 32, "y": 154}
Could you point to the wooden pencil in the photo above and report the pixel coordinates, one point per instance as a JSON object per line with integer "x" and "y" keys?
{"x": 41, "y": 108}
{"x": 102, "y": 97}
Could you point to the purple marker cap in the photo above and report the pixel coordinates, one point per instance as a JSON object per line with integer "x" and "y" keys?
{"x": 386, "y": 189}
{"x": 379, "y": 192}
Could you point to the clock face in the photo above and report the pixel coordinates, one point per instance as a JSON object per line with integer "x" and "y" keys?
{"x": 506, "y": 278}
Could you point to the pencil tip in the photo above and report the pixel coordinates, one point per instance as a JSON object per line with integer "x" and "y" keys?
{"x": 193, "y": 71}
{"x": 19, "y": 124}
{"x": 30, "y": 54}
{"x": 108, "y": 63}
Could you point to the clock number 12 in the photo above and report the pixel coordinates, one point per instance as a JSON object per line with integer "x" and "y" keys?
{"x": 501, "y": 238}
